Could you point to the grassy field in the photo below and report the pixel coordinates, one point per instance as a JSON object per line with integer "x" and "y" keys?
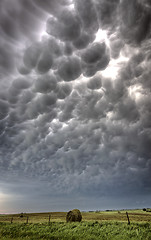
{"x": 95, "y": 225}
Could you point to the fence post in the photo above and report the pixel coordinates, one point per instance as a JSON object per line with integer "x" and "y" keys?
{"x": 49, "y": 218}
{"x": 128, "y": 218}
{"x": 27, "y": 220}
{"x": 11, "y": 221}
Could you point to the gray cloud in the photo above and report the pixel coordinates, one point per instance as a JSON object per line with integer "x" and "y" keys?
{"x": 55, "y": 47}
{"x": 63, "y": 90}
{"x": 95, "y": 58}
{"x": 52, "y": 7}
{"x": 45, "y": 62}
{"x": 116, "y": 44}
{"x": 63, "y": 119}
{"x": 88, "y": 15}
{"x": 135, "y": 21}
{"x": 94, "y": 83}
{"x": 107, "y": 12}
{"x": 21, "y": 83}
{"x": 83, "y": 40}
{"x": 66, "y": 27}
{"x": 94, "y": 53}
{"x": 46, "y": 83}
{"x": 4, "y": 109}
{"x": 69, "y": 69}
{"x": 31, "y": 56}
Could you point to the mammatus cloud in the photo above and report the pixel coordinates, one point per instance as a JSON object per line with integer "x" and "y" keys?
{"x": 62, "y": 120}
{"x": 135, "y": 18}
{"x": 66, "y": 26}
{"x": 69, "y": 69}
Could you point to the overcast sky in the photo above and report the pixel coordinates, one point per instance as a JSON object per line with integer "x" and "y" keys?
{"x": 75, "y": 105}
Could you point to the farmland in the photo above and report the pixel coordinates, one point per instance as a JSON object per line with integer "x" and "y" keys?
{"x": 94, "y": 225}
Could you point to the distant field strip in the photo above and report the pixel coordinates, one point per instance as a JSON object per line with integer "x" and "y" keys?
{"x": 134, "y": 215}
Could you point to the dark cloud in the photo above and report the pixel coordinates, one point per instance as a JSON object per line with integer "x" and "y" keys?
{"x": 46, "y": 83}
{"x": 66, "y": 27}
{"x": 21, "y": 83}
{"x": 20, "y": 18}
{"x": 95, "y": 58}
{"x": 40, "y": 105}
{"x": 45, "y": 62}
{"x": 70, "y": 68}
{"x": 4, "y": 109}
{"x": 32, "y": 55}
{"x": 83, "y": 40}
{"x": 55, "y": 47}
{"x": 127, "y": 110}
{"x": 68, "y": 49}
{"x": 94, "y": 53}
{"x": 75, "y": 103}
{"x": 6, "y": 59}
{"x": 107, "y": 13}
{"x": 88, "y": 15}
{"x": 94, "y": 83}
{"x": 135, "y": 19}
{"x": 63, "y": 90}
{"x": 22, "y": 69}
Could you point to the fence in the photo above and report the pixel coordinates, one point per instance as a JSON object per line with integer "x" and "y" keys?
{"x": 26, "y": 219}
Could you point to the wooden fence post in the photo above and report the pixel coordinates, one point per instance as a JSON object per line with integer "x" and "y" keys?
{"x": 11, "y": 221}
{"x": 49, "y": 218}
{"x": 27, "y": 220}
{"x": 128, "y": 218}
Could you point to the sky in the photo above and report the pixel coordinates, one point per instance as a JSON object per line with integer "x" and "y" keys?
{"x": 75, "y": 105}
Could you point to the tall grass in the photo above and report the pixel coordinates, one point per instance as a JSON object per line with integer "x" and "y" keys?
{"x": 91, "y": 230}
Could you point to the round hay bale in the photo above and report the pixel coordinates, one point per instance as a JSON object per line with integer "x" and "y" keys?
{"x": 21, "y": 215}
{"x": 74, "y": 216}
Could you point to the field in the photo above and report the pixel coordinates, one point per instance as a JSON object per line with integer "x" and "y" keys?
{"x": 95, "y": 225}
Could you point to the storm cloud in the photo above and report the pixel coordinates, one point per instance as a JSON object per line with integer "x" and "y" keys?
{"x": 75, "y": 99}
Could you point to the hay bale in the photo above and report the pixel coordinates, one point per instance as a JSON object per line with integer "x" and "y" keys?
{"x": 74, "y": 216}
{"x": 21, "y": 215}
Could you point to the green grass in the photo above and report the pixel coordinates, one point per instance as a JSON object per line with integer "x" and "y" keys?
{"x": 105, "y": 225}
{"x": 76, "y": 231}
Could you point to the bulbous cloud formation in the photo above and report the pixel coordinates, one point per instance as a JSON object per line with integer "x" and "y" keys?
{"x": 135, "y": 17}
{"x": 46, "y": 83}
{"x": 69, "y": 68}
{"x": 74, "y": 101}
{"x": 88, "y": 15}
{"x": 95, "y": 58}
{"x": 66, "y": 26}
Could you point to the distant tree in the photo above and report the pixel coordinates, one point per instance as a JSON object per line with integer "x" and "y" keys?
{"x": 148, "y": 210}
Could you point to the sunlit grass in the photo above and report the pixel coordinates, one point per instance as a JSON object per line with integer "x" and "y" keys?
{"x": 92, "y": 230}
{"x": 95, "y": 225}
